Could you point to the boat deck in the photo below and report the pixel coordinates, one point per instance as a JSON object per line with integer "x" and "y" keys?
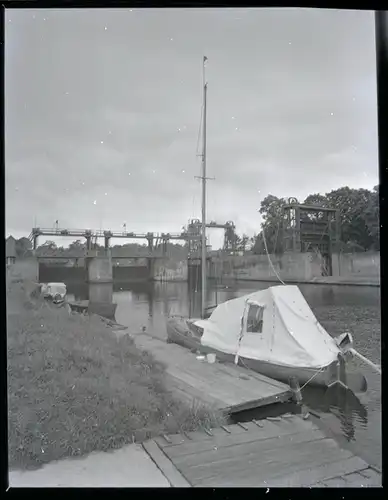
{"x": 277, "y": 452}
{"x": 223, "y": 386}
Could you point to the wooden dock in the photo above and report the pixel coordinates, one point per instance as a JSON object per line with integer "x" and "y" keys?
{"x": 222, "y": 386}
{"x": 104, "y": 309}
{"x": 277, "y": 452}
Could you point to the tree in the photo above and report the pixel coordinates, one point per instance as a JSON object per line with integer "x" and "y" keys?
{"x": 244, "y": 240}
{"x": 355, "y": 205}
{"x": 271, "y": 209}
{"x": 77, "y": 244}
{"x": 372, "y": 218}
{"x": 359, "y": 218}
{"x": 48, "y": 248}
{"x": 23, "y": 247}
{"x": 359, "y": 214}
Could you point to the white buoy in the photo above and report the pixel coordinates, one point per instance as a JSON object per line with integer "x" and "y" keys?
{"x": 211, "y": 358}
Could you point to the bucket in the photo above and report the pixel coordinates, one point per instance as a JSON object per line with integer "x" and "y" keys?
{"x": 211, "y": 358}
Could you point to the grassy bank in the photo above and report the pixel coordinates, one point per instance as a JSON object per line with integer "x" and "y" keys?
{"x": 74, "y": 387}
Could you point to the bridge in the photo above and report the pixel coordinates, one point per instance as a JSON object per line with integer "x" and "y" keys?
{"x": 191, "y": 235}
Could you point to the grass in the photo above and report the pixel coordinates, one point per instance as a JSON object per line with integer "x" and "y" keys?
{"x": 74, "y": 387}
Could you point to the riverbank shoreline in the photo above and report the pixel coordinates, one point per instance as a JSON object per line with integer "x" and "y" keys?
{"x": 76, "y": 387}
{"x": 327, "y": 280}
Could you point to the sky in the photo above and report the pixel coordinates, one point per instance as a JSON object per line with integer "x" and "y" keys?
{"x": 103, "y": 108}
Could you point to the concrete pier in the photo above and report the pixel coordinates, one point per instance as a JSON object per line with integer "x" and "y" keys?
{"x": 101, "y": 300}
{"x": 99, "y": 270}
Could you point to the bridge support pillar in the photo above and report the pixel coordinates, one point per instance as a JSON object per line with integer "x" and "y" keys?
{"x": 99, "y": 270}
{"x": 164, "y": 247}
{"x": 151, "y": 268}
{"x": 88, "y": 243}
{"x": 107, "y": 246}
{"x": 101, "y": 300}
{"x": 150, "y": 240}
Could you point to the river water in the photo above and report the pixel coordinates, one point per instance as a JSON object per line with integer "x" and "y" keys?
{"x": 354, "y": 420}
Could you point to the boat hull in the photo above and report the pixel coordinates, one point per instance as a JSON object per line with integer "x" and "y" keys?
{"x": 179, "y": 333}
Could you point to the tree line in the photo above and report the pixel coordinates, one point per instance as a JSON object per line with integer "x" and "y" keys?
{"x": 359, "y": 219}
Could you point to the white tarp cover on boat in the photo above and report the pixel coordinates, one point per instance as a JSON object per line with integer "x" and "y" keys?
{"x": 289, "y": 333}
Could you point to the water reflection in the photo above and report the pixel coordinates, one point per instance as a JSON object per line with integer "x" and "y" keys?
{"x": 342, "y": 403}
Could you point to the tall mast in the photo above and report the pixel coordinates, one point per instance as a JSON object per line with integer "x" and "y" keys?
{"x": 203, "y": 246}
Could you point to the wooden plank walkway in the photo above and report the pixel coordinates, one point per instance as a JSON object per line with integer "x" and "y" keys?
{"x": 277, "y": 452}
{"x": 225, "y": 387}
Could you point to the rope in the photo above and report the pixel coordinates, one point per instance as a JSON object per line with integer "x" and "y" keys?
{"x": 277, "y": 232}
{"x": 311, "y": 378}
{"x": 269, "y": 259}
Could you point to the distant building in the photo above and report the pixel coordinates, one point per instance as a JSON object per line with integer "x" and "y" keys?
{"x": 10, "y": 250}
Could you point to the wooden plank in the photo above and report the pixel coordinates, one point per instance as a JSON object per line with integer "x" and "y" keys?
{"x": 191, "y": 394}
{"x": 171, "y": 440}
{"x": 199, "y": 436}
{"x": 260, "y": 468}
{"x": 258, "y": 471}
{"x": 308, "y": 475}
{"x": 353, "y": 480}
{"x": 205, "y": 371}
{"x": 234, "y": 374}
{"x": 221, "y": 384}
{"x": 284, "y": 426}
{"x": 206, "y": 389}
{"x": 173, "y": 476}
{"x": 240, "y": 371}
{"x": 235, "y": 451}
{"x": 336, "y": 482}
{"x": 177, "y": 439}
{"x": 371, "y": 483}
{"x": 257, "y": 403}
{"x": 238, "y": 435}
{"x": 370, "y": 472}
{"x": 218, "y": 387}
{"x": 210, "y": 388}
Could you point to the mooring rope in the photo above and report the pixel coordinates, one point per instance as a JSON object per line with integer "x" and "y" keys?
{"x": 311, "y": 378}
{"x": 269, "y": 258}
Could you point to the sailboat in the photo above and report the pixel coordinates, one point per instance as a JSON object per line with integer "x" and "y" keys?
{"x": 272, "y": 331}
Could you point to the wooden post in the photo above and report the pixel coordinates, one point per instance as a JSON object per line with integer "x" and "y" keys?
{"x": 295, "y": 387}
{"x": 341, "y": 370}
{"x": 297, "y": 396}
